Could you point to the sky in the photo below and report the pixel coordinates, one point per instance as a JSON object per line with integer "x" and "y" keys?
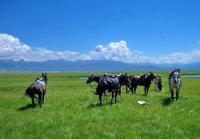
{"x": 131, "y": 31}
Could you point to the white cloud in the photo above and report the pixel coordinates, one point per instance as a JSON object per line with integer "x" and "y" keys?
{"x": 178, "y": 57}
{"x": 12, "y": 48}
{"x": 113, "y": 51}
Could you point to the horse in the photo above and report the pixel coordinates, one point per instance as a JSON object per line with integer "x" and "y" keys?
{"x": 174, "y": 82}
{"x": 124, "y": 80}
{"x": 38, "y": 87}
{"x": 158, "y": 83}
{"x": 143, "y": 80}
{"x": 110, "y": 83}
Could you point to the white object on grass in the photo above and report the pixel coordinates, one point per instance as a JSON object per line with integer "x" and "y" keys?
{"x": 141, "y": 102}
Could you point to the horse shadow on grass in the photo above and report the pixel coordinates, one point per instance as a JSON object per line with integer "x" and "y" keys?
{"x": 90, "y": 106}
{"x": 28, "y": 106}
{"x": 98, "y": 105}
{"x": 167, "y": 101}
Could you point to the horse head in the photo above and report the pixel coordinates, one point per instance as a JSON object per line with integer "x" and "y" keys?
{"x": 124, "y": 79}
{"x": 90, "y": 79}
{"x": 176, "y": 76}
{"x": 44, "y": 75}
{"x": 151, "y": 76}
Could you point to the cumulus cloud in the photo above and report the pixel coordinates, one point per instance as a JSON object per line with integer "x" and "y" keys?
{"x": 12, "y": 48}
{"x": 117, "y": 51}
{"x": 178, "y": 57}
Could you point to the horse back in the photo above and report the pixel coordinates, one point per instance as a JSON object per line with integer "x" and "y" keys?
{"x": 136, "y": 77}
{"x": 140, "y": 80}
{"x": 35, "y": 88}
{"x": 110, "y": 83}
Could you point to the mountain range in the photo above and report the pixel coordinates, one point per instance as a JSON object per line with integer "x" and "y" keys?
{"x": 89, "y": 65}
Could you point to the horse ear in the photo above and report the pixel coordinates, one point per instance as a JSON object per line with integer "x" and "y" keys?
{"x": 93, "y": 75}
{"x": 125, "y": 73}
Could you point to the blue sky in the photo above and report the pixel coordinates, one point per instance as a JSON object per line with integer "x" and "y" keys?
{"x": 140, "y": 31}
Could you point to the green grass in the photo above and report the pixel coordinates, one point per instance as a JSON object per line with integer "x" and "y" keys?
{"x": 71, "y": 110}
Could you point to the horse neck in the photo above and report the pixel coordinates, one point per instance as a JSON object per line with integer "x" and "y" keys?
{"x": 172, "y": 78}
{"x": 96, "y": 78}
{"x": 119, "y": 78}
{"x": 46, "y": 80}
{"x": 149, "y": 78}
{"x": 122, "y": 79}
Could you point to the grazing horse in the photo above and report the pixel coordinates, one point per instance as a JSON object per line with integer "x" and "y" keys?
{"x": 38, "y": 87}
{"x": 143, "y": 80}
{"x": 174, "y": 82}
{"x": 110, "y": 83}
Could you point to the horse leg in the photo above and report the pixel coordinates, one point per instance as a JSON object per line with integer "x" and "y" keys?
{"x": 40, "y": 99}
{"x": 177, "y": 94}
{"x": 112, "y": 97}
{"x": 127, "y": 86}
{"x": 131, "y": 88}
{"x": 116, "y": 96}
{"x": 43, "y": 96}
{"x": 172, "y": 94}
{"x": 104, "y": 92}
{"x": 119, "y": 90}
{"x": 100, "y": 94}
{"x": 32, "y": 98}
{"x": 147, "y": 90}
{"x": 135, "y": 87}
{"x": 144, "y": 90}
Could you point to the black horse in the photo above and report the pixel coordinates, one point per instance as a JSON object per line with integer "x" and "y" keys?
{"x": 124, "y": 80}
{"x": 38, "y": 87}
{"x": 110, "y": 83}
{"x": 144, "y": 80}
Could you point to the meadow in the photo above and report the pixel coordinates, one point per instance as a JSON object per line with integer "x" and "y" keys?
{"x": 71, "y": 110}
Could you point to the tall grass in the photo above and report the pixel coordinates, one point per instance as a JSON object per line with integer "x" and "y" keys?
{"x": 72, "y": 111}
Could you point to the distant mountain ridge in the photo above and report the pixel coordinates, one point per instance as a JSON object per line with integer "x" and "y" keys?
{"x": 89, "y": 65}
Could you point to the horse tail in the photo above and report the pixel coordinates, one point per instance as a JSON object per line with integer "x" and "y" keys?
{"x": 26, "y": 92}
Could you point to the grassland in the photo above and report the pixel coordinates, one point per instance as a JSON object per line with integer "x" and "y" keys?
{"x": 71, "y": 110}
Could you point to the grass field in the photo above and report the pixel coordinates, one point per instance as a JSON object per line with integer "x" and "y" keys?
{"x": 71, "y": 110}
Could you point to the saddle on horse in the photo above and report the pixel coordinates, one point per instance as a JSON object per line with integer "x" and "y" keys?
{"x": 140, "y": 77}
{"x": 41, "y": 80}
{"x": 110, "y": 82}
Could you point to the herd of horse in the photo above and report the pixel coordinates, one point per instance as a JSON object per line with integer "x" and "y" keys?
{"x": 112, "y": 83}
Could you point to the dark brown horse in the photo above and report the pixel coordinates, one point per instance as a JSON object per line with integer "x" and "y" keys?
{"x": 143, "y": 80}
{"x": 38, "y": 87}
{"x": 105, "y": 83}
